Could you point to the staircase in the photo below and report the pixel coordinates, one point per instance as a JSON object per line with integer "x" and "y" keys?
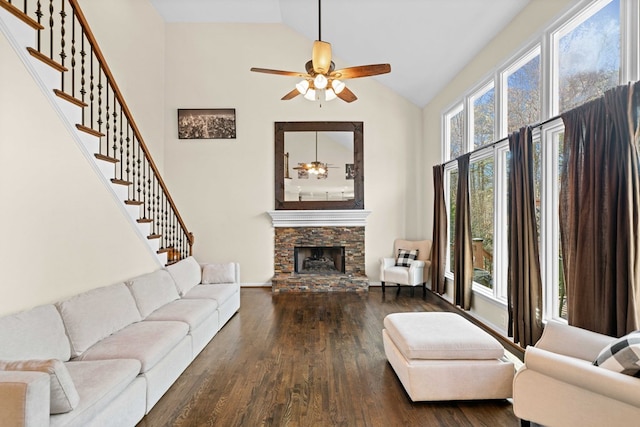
{"x": 59, "y": 50}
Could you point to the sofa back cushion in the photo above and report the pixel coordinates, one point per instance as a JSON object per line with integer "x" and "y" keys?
{"x": 34, "y": 334}
{"x": 152, "y": 291}
{"x": 96, "y": 314}
{"x": 223, "y": 272}
{"x": 186, "y": 273}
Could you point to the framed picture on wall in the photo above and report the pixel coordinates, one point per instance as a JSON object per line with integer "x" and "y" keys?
{"x": 349, "y": 171}
{"x": 207, "y": 123}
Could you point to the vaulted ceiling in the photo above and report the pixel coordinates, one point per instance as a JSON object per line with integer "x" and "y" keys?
{"x": 427, "y": 42}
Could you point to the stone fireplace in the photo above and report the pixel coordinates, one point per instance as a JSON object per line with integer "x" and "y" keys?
{"x": 319, "y": 251}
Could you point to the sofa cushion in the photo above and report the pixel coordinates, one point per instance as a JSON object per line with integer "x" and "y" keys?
{"x": 186, "y": 273}
{"x": 96, "y": 314}
{"x": 64, "y": 396}
{"x": 224, "y": 272}
{"x": 145, "y": 341}
{"x": 406, "y": 257}
{"x": 191, "y": 311}
{"x": 622, "y": 355}
{"x": 98, "y": 383}
{"x": 34, "y": 334}
{"x": 152, "y": 291}
{"x": 221, "y": 293}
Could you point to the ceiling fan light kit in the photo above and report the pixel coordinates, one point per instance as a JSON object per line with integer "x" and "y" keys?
{"x": 321, "y": 79}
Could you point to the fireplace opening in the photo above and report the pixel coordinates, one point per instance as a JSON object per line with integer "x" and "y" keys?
{"x": 319, "y": 259}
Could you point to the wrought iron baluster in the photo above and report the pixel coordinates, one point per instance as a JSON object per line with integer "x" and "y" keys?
{"x": 83, "y": 91}
{"x": 39, "y": 16}
{"x": 130, "y": 173}
{"x": 63, "y": 54}
{"x": 107, "y": 122}
{"x": 138, "y": 162}
{"x": 99, "y": 100}
{"x": 73, "y": 56}
{"x": 51, "y": 24}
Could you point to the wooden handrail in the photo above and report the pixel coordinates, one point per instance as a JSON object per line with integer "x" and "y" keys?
{"x": 118, "y": 94}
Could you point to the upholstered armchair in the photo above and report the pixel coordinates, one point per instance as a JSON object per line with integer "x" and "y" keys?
{"x": 559, "y": 385}
{"x": 409, "y": 265}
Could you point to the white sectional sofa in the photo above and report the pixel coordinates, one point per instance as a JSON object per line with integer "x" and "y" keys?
{"x": 105, "y": 357}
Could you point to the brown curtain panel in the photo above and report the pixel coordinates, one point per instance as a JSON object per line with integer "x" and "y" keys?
{"x": 439, "y": 247}
{"x": 524, "y": 283}
{"x": 463, "y": 249}
{"x": 599, "y": 213}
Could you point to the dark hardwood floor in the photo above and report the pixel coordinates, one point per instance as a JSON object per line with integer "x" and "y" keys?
{"x": 310, "y": 359}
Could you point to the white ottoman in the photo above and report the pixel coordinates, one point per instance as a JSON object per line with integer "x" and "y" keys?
{"x": 443, "y": 356}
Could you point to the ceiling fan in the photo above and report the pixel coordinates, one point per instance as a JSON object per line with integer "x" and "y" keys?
{"x": 315, "y": 168}
{"x": 321, "y": 80}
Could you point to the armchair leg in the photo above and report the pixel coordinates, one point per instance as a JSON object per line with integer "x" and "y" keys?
{"x": 424, "y": 290}
{"x": 413, "y": 291}
{"x": 525, "y": 423}
{"x": 382, "y": 287}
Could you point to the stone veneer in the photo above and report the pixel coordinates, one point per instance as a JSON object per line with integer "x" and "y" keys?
{"x": 287, "y": 238}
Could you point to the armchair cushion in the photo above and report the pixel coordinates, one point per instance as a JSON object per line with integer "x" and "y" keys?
{"x": 622, "y": 355}
{"x": 406, "y": 257}
{"x": 64, "y": 396}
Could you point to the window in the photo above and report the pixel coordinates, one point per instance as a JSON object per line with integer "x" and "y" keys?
{"x": 593, "y": 48}
{"x": 454, "y": 132}
{"x": 481, "y": 184}
{"x": 523, "y": 91}
{"x": 484, "y": 116}
{"x": 588, "y": 55}
{"x": 451, "y": 183}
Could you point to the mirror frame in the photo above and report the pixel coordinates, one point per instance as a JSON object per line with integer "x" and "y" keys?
{"x": 358, "y": 163}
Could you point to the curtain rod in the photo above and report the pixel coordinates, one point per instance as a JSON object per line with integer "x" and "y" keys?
{"x": 493, "y": 144}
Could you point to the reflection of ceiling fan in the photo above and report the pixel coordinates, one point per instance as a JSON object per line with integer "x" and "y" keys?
{"x": 322, "y": 81}
{"x": 315, "y": 167}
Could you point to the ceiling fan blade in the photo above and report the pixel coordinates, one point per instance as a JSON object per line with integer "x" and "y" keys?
{"x": 290, "y": 95}
{"x": 346, "y": 95}
{"x": 321, "y": 57}
{"x": 279, "y": 72}
{"x": 361, "y": 71}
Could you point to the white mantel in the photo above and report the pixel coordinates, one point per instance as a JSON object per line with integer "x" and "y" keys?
{"x": 320, "y": 218}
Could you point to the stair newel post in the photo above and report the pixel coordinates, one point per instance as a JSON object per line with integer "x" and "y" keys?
{"x": 63, "y": 54}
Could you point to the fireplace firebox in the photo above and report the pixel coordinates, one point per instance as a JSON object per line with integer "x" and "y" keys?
{"x": 319, "y": 259}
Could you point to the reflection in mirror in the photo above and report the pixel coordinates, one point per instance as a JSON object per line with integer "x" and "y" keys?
{"x": 320, "y": 166}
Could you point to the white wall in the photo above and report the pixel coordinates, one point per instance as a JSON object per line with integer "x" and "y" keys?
{"x": 224, "y": 188}
{"x": 130, "y": 34}
{"x": 62, "y": 232}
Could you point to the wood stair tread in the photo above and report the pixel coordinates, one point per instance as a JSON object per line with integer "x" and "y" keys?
{"x": 106, "y": 158}
{"x": 64, "y": 95}
{"x": 133, "y": 202}
{"x": 21, "y": 15}
{"x": 144, "y": 220}
{"x": 154, "y": 236}
{"x": 44, "y": 58}
{"x": 89, "y": 130}
{"x": 120, "y": 181}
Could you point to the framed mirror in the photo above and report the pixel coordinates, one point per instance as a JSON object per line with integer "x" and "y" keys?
{"x": 319, "y": 165}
